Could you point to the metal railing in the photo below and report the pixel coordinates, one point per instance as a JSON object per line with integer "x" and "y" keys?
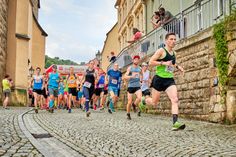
{"x": 192, "y": 20}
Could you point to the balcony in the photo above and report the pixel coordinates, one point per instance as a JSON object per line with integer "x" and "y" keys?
{"x": 198, "y": 17}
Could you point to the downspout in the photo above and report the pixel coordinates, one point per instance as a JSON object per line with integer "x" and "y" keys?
{"x": 145, "y": 16}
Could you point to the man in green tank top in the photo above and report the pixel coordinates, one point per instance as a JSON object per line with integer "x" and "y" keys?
{"x": 164, "y": 59}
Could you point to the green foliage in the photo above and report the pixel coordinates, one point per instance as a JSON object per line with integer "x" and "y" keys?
{"x": 221, "y": 52}
{"x": 56, "y": 60}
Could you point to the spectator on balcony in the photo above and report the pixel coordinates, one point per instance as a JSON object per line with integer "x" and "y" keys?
{"x": 169, "y": 22}
{"x": 112, "y": 58}
{"x": 156, "y": 20}
{"x": 137, "y": 35}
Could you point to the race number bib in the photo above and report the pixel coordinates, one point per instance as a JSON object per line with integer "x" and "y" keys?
{"x": 101, "y": 86}
{"x": 38, "y": 80}
{"x": 170, "y": 69}
{"x": 136, "y": 75}
{"x": 87, "y": 84}
{"x": 71, "y": 81}
{"x": 114, "y": 81}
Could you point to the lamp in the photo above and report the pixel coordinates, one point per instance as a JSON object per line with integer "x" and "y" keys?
{"x": 99, "y": 55}
{"x": 31, "y": 71}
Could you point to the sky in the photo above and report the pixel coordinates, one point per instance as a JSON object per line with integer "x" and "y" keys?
{"x": 76, "y": 28}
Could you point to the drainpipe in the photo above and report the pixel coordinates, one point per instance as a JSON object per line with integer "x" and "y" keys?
{"x": 144, "y": 16}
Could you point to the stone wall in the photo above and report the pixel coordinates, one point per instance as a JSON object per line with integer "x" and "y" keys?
{"x": 198, "y": 89}
{"x": 3, "y": 39}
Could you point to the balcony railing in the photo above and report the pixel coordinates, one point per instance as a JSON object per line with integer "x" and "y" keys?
{"x": 192, "y": 20}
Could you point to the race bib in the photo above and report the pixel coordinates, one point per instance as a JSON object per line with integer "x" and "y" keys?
{"x": 101, "y": 86}
{"x": 87, "y": 84}
{"x": 37, "y": 80}
{"x": 71, "y": 81}
{"x": 114, "y": 81}
{"x": 136, "y": 75}
{"x": 170, "y": 69}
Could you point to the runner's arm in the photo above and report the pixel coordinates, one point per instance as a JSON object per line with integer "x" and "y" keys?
{"x": 158, "y": 55}
{"x": 127, "y": 77}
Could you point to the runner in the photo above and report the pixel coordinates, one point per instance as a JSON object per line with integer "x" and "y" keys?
{"x": 88, "y": 87}
{"x": 164, "y": 59}
{"x": 133, "y": 75}
{"x": 37, "y": 82}
{"x": 61, "y": 102}
{"x": 53, "y": 87}
{"x": 99, "y": 91}
{"x": 146, "y": 80}
{"x": 104, "y": 98}
{"x": 6, "y": 84}
{"x": 72, "y": 88}
{"x": 45, "y": 91}
{"x": 113, "y": 79}
{"x": 65, "y": 93}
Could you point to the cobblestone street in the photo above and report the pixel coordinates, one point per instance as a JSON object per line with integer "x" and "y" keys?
{"x": 13, "y": 142}
{"x": 105, "y": 134}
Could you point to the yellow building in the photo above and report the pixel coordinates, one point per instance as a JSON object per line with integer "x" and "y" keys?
{"x": 131, "y": 14}
{"x": 111, "y": 44}
{"x": 25, "y": 44}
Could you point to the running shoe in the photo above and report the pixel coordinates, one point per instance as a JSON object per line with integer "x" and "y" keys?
{"x": 69, "y": 111}
{"x": 94, "y": 107}
{"x": 109, "y": 110}
{"x": 178, "y": 126}
{"x": 87, "y": 114}
{"x": 128, "y": 116}
{"x": 139, "y": 113}
{"x": 36, "y": 110}
{"x": 142, "y": 107}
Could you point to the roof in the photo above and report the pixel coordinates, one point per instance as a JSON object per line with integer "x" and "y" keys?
{"x": 43, "y": 32}
{"x": 117, "y": 2}
{"x": 107, "y": 36}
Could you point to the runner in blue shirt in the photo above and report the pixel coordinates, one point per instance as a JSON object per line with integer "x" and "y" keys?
{"x": 37, "y": 88}
{"x": 113, "y": 78}
{"x": 53, "y": 83}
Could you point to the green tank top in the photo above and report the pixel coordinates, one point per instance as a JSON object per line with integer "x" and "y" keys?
{"x": 163, "y": 70}
{"x": 66, "y": 86}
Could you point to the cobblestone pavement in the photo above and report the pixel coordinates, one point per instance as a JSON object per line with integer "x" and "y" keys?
{"x": 104, "y": 134}
{"x": 12, "y": 140}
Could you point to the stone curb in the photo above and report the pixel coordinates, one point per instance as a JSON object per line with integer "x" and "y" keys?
{"x": 34, "y": 142}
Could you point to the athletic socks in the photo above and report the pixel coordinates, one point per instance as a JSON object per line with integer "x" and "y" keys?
{"x": 51, "y": 103}
{"x": 175, "y": 118}
{"x": 87, "y": 106}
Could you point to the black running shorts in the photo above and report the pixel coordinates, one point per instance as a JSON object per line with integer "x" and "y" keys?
{"x": 98, "y": 91}
{"x": 132, "y": 90}
{"x": 146, "y": 92}
{"x": 38, "y": 91}
{"x": 161, "y": 84}
{"x": 72, "y": 91}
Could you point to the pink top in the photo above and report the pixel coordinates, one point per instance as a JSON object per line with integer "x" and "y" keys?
{"x": 137, "y": 36}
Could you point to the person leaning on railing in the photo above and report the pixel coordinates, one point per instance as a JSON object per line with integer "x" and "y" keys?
{"x": 112, "y": 58}
{"x": 137, "y": 35}
{"x": 156, "y": 20}
{"x": 169, "y": 22}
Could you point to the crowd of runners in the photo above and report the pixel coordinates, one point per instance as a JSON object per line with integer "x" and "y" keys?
{"x": 98, "y": 90}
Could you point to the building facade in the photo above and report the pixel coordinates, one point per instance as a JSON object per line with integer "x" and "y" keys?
{"x": 23, "y": 43}
{"x": 111, "y": 44}
{"x": 131, "y": 14}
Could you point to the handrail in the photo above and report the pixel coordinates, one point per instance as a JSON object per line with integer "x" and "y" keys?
{"x": 186, "y": 23}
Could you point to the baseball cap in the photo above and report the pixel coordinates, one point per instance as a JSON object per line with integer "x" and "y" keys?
{"x": 54, "y": 66}
{"x": 136, "y": 56}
